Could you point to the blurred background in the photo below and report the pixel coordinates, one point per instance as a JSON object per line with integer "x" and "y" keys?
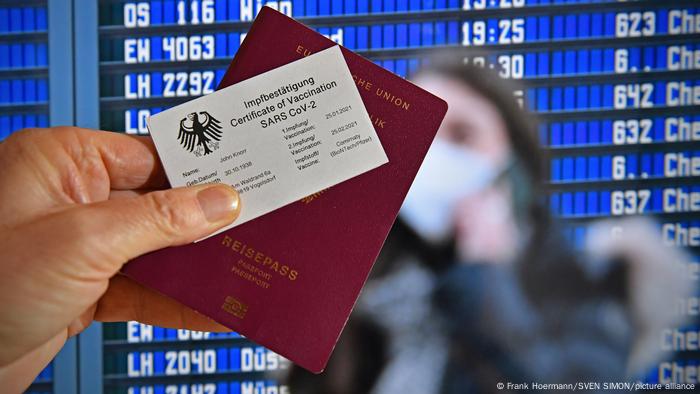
{"x": 552, "y": 234}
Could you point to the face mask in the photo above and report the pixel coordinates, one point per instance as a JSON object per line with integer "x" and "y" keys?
{"x": 448, "y": 174}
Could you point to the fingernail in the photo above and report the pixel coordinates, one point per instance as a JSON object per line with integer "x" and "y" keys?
{"x": 219, "y": 202}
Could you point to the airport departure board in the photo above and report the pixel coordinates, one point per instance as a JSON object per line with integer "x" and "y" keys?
{"x": 24, "y": 91}
{"x": 615, "y": 86}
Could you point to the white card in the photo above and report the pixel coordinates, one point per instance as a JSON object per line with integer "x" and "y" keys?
{"x": 277, "y": 137}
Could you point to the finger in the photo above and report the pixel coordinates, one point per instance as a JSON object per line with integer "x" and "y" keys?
{"x": 92, "y": 241}
{"x": 130, "y": 161}
{"x": 46, "y": 169}
{"x": 74, "y": 252}
{"x": 127, "y": 300}
{"x": 118, "y": 230}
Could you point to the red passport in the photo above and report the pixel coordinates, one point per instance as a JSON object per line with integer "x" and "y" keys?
{"x": 288, "y": 280}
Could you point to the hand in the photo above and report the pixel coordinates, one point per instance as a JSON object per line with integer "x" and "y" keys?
{"x": 75, "y": 205}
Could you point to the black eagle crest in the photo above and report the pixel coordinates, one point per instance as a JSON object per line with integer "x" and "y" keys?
{"x": 204, "y": 130}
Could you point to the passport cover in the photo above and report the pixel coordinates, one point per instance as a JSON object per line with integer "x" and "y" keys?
{"x": 289, "y": 279}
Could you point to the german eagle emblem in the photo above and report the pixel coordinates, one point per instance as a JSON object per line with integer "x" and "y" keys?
{"x": 199, "y": 133}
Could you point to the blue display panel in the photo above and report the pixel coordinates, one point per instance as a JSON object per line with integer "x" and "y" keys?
{"x": 24, "y": 89}
{"x": 616, "y": 86}
{"x": 139, "y": 358}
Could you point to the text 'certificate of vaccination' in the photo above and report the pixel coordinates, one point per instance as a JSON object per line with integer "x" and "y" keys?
{"x": 277, "y": 137}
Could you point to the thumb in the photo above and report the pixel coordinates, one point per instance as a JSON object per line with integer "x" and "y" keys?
{"x": 55, "y": 267}
{"x": 119, "y": 230}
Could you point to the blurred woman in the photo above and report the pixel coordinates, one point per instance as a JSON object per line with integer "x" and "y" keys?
{"x": 475, "y": 286}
